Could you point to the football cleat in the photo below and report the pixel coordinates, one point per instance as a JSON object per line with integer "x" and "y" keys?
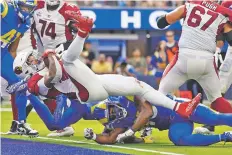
{"x": 228, "y": 136}
{"x": 25, "y": 129}
{"x": 13, "y": 128}
{"x": 185, "y": 109}
{"x": 66, "y": 132}
{"x": 84, "y": 24}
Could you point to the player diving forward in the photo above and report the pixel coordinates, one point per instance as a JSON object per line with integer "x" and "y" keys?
{"x": 121, "y": 113}
{"x": 15, "y": 20}
{"x": 94, "y": 87}
{"x": 203, "y": 20}
{"x": 88, "y": 86}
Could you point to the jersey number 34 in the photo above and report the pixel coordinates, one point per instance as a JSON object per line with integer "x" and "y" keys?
{"x": 195, "y": 19}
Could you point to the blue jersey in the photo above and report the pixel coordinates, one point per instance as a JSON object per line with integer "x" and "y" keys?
{"x": 10, "y": 23}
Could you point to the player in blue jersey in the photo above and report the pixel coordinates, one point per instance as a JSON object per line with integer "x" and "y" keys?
{"x": 15, "y": 20}
{"x": 119, "y": 114}
{"x": 180, "y": 129}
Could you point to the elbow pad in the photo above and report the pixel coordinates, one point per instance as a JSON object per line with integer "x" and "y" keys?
{"x": 162, "y": 22}
{"x": 228, "y": 37}
{"x": 221, "y": 37}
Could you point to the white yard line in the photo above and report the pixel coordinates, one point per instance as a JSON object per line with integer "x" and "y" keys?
{"x": 110, "y": 146}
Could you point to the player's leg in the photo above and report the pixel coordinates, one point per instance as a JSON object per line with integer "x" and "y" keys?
{"x": 74, "y": 49}
{"x": 210, "y": 83}
{"x": 225, "y": 73}
{"x": 89, "y": 85}
{"x": 18, "y": 101}
{"x": 181, "y": 134}
{"x": 173, "y": 76}
{"x": 205, "y": 115}
{"x": 59, "y": 120}
{"x": 118, "y": 85}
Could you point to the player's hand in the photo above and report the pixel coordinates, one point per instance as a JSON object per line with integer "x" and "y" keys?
{"x": 20, "y": 86}
{"x": 24, "y": 26}
{"x": 89, "y": 134}
{"x": 146, "y": 132}
{"x": 124, "y": 135}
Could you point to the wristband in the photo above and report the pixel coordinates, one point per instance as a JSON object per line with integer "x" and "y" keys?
{"x": 94, "y": 136}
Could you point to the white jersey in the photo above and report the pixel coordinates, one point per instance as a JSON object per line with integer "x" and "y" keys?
{"x": 200, "y": 27}
{"x": 52, "y": 26}
{"x": 65, "y": 86}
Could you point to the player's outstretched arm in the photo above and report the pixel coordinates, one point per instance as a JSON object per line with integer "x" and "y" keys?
{"x": 143, "y": 118}
{"x": 55, "y": 71}
{"x": 144, "y": 115}
{"x": 13, "y": 47}
{"x": 171, "y": 17}
{"x": 103, "y": 139}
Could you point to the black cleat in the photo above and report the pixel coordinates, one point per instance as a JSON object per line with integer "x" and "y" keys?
{"x": 13, "y": 128}
{"x": 25, "y": 129}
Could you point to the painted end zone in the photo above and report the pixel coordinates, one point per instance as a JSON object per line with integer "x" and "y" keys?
{"x": 22, "y": 147}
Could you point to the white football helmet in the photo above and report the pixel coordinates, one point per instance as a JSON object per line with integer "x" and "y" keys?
{"x": 21, "y": 66}
{"x": 53, "y": 2}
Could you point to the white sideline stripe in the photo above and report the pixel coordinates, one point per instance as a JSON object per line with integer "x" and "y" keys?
{"x": 112, "y": 146}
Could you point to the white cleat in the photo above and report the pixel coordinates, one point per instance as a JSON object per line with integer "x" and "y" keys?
{"x": 203, "y": 131}
{"x": 66, "y": 132}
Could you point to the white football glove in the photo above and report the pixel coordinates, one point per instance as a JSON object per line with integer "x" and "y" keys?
{"x": 146, "y": 132}
{"x": 89, "y": 134}
{"x": 124, "y": 135}
{"x": 218, "y": 56}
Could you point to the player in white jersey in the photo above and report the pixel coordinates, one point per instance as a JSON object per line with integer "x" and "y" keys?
{"x": 99, "y": 87}
{"x": 52, "y": 26}
{"x": 87, "y": 86}
{"x": 203, "y": 20}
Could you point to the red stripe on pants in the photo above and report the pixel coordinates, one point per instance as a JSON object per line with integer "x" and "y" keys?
{"x": 171, "y": 65}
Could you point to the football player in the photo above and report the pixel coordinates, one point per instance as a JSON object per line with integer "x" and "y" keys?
{"x": 203, "y": 20}
{"x": 15, "y": 20}
{"x": 119, "y": 114}
{"x": 53, "y": 27}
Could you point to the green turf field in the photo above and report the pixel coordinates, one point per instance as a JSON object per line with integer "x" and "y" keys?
{"x": 161, "y": 146}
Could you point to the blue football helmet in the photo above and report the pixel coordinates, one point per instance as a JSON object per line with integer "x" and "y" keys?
{"x": 25, "y": 8}
{"x": 109, "y": 110}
